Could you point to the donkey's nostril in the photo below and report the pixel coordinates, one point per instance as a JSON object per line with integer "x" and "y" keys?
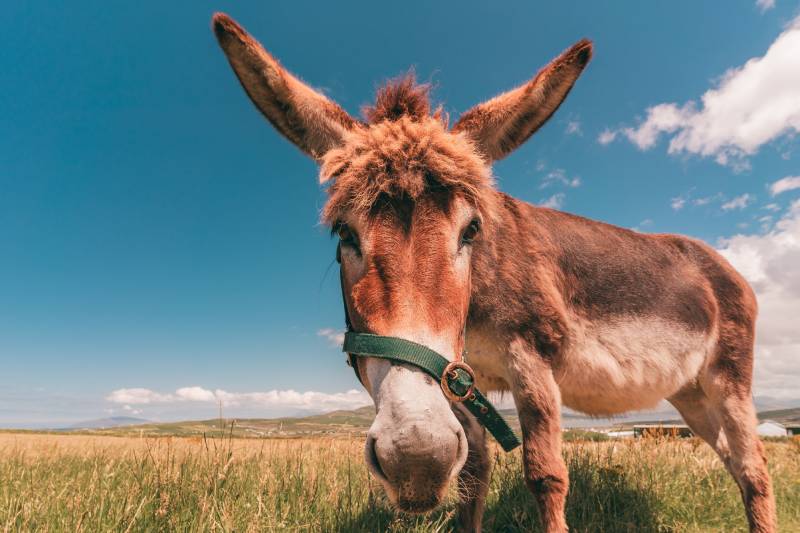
{"x": 372, "y": 457}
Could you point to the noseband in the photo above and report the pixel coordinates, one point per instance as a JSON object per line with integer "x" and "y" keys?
{"x": 456, "y": 378}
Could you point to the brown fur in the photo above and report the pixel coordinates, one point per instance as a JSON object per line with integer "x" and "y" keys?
{"x": 539, "y": 280}
{"x": 401, "y": 269}
{"x": 403, "y": 159}
{"x": 401, "y": 97}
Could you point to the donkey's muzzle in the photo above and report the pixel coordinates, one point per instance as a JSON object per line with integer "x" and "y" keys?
{"x": 417, "y": 461}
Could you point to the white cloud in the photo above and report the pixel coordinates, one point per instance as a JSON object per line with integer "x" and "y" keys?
{"x": 554, "y": 202}
{"x": 660, "y": 119}
{"x": 752, "y": 105}
{"x": 559, "y": 176}
{"x": 765, "y": 5}
{"x": 137, "y": 396}
{"x": 335, "y": 337}
{"x": 606, "y": 136}
{"x": 310, "y": 400}
{"x": 772, "y": 207}
{"x": 677, "y": 203}
{"x": 784, "y": 184}
{"x": 574, "y": 128}
{"x": 686, "y": 199}
{"x": 740, "y": 202}
{"x": 706, "y": 200}
{"x": 195, "y": 394}
{"x": 769, "y": 262}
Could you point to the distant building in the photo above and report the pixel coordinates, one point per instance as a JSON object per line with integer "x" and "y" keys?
{"x": 620, "y": 433}
{"x": 662, "y": 430}
{"x": 770, "y": 428}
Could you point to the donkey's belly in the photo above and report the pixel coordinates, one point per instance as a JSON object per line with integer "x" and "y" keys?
{"x": 628, "y": 364}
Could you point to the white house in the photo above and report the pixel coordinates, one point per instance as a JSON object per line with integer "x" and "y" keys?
{"x": 620, "y": 433}
{"x": 768, "y": 428}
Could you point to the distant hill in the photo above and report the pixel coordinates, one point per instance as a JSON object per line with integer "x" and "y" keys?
{"x": 110, "y": 422}
{"x": 334, "y": 423}
{"x": 784, "y": 416}
{"x": 356, "y": 422}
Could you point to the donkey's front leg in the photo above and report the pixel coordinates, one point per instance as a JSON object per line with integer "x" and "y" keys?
{"x": 473, "y": 480}
{"x": 538, "y": 403}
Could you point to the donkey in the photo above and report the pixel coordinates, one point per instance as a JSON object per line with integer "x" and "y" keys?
{"x": 553, "y": 307}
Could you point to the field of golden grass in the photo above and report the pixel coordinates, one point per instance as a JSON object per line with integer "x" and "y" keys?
{"x": 104, "y": 483}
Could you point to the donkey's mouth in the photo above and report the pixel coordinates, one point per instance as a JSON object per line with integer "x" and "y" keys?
{"x": 418, "y": 506}
{"x": 404, "y": 497}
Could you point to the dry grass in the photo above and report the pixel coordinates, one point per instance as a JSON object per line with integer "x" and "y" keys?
{"x": 92, "y": 483}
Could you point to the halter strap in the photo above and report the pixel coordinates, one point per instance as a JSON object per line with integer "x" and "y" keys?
{"x": 452, "y": 375}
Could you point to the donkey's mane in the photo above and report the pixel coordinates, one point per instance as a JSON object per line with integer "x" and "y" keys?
{"x": 402, "y": 152}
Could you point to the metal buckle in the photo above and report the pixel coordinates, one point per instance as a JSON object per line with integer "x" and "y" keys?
{"x": 450, "y": 373}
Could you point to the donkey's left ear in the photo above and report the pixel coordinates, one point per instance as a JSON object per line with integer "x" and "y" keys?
{"x": 503, "y": 123}
{"x": 304, "y": 116}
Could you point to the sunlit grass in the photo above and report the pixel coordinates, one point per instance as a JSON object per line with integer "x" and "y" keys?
{"x": 87, "y": 483}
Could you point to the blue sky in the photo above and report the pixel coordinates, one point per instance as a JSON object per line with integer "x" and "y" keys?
{"x": 160, "y": 248}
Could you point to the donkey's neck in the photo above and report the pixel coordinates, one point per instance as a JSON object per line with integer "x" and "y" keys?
{"x": 514, "y": 284}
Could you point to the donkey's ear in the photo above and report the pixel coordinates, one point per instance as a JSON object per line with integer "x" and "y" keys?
{"x": 506, "y": 121}
{"x": 306, "y": 117}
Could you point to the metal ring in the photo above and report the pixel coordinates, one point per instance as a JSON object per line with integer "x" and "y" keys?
{"x": 450, "y": 371}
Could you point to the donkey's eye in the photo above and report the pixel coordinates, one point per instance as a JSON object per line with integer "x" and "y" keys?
{"x": 470, "y": 232}
{"x": 344, "y": 233}
{"x": 346, "y": 236}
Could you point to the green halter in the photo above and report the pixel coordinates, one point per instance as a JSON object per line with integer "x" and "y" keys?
{"x": 455, "y": 377}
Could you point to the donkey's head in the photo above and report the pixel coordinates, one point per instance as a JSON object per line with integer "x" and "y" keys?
{"x": 409, "y": 200}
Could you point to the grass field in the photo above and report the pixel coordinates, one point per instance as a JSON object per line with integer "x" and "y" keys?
{"x": 103, "y": 483}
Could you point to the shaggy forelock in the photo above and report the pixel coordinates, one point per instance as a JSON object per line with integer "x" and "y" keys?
{"x": 400, "y": 97}
{"x": 403, "y": 159}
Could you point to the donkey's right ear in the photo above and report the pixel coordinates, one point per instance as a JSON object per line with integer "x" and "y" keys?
{"x": 304, "y": 116}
